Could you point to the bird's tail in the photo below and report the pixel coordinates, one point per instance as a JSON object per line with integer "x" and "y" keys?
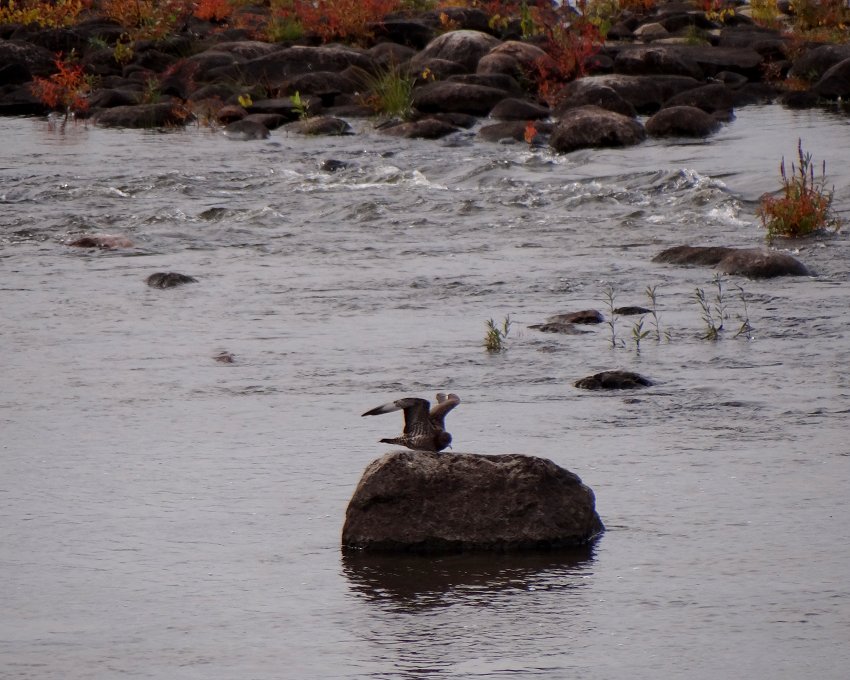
{"x": 397, "y": 441}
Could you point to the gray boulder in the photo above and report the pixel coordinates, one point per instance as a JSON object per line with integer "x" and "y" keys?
{"x": 681, "y": 121}
{"x": 591, "y": 126}
{"x": 420, "y": 501}
{"x": 462, "y": 47}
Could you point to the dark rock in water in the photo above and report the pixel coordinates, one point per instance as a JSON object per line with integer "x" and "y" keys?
{"x": 270, "y": 121}
{"x": 103, "y": 241}
{"x": 420, "y": 501}
{"x": 323, "y": 125}
{"x": 169, "y": 280}
{"x": 682, "y": 121}
{"x": 517, "y": 130}
{"x": 142, "y": 116}
{"x": 631, "y": 310}
{"x": 590, "y": 126}
{"x": 426, "y": 128}
{"x": 613, "y": 380}
{"x": 800, "y": 100}
{"x": 333, "y": 165}
{"x": 242, "y": 130}
{"x": 562, "y": 327}
{"x": 756, "y": 263}
{"x": 693, "y": 255}
{"x": 759, "y": 263}
{"x": 585, "y": 316}
{"x": 225, "y": 358}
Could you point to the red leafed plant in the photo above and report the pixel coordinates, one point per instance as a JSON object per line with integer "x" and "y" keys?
{"x": 569, "y": 46}
{"x": 67, "y": 89}
{"x": 805, "y": 203}
{"x": 349, "y": 20}
{"x": 213, "y": 10}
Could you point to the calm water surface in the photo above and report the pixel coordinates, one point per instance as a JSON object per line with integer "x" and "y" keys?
{"x": 166, "y": 516}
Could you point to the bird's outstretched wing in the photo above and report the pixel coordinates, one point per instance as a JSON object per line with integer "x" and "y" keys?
{"x": 442, "y": 407}
{"x": 416, "y": 417}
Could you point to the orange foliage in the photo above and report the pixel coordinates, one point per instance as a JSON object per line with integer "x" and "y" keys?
{"x": 213, "y": 10}
{"x": 348, "y": 20}
{"x": 65, "y": 90}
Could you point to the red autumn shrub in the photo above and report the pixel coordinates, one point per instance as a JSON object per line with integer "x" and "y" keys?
{"x": 67, "y": 89}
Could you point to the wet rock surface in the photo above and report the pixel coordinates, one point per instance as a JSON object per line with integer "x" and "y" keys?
{"x": 419, "y": 501}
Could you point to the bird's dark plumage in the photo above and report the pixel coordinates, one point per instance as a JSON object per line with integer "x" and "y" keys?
{"x": 424, "y": 427}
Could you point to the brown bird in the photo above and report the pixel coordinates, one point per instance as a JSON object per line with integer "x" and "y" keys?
{"x": 424, "y": 427}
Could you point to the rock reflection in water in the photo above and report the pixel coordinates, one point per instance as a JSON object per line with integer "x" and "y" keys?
{"x": 422, "y": 582}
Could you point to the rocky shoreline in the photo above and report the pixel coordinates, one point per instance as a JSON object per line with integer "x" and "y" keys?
{"x": 648, "y": 66}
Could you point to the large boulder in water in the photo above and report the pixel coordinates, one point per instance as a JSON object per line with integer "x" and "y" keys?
{"x": 591, "y": 126}
{"x": 166, "y": 114}
{"x": 754, "y": 263}
{"x": 682, "y": 121}
{"x": 420, "y": 501}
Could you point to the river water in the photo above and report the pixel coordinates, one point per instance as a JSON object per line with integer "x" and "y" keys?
{"x": 164, "y": 515}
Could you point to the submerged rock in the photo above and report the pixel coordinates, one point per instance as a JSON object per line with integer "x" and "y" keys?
{"x": 755, "y": 263}
{"x": 103, "y": 241}
{"x": 419, "y": 501}
{"x": 243, "y": 130}
{"x": 613, "y": 380}
{"x": 682, "y": 121}
{"x": 169, "y": 279}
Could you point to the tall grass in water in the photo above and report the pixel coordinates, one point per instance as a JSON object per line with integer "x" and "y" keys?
{"x": 389, "y": 91}
{"x": 496, "y": 338}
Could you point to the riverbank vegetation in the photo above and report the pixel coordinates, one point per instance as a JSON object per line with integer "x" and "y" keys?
{"x": 804, "y": 205}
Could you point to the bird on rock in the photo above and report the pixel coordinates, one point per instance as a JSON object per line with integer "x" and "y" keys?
{"x": 424, "y": 426}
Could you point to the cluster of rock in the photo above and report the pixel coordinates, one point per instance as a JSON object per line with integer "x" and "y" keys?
{"x": 646, "y": 68}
